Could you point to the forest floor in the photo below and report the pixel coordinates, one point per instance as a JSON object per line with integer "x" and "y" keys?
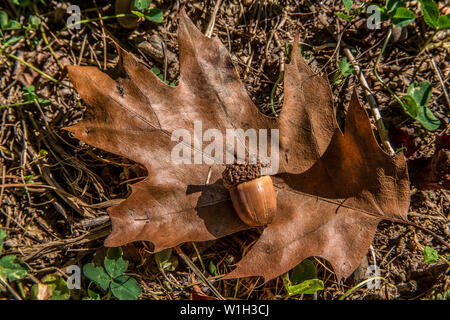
{"x": 55, "y": 190}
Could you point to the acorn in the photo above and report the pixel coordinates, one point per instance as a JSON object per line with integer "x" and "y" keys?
{"x": 252, "y": 194}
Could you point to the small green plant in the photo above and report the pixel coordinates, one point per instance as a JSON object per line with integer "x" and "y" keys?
{"x": 349, "y": 13}
{"x": 111, "y": 278}
{"x": 348, "y": 4}
{"x": 345, "y": 69}
{"x": 430, "y": 255}
{"x": 8, "y": 24}
{"x": 29, "y": 95}
{"x": 165, "y": 260}
{"x": 212, "y": 268}
{"x": 432, "y": 17}
{"x": 416, "y": 100}
{"x": 302, "y": 279}
{"x": 394, "y": 11}
{"x": 145, "y": 11}
{"x": 52, "y": 287}
{"x": 161, "y": 76}
{"x": 34, "y": 22}
{"x": 92, "y": 295}
{"x": 12, "y": 269}
{"x": 21, "y": 3}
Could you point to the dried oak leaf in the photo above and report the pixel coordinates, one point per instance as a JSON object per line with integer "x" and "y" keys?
{"x": 332, "y": 188}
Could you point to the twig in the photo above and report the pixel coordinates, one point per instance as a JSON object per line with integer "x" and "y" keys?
{"x": 212, "y": 21}
{"x": 80, "y": 57}
{"x": 103, "y": 36}
{"x": 2, "y": 189}
{"x": 10, "y": 289}
{"x": 164, "y": 47}
{"x": 382, "y": 132}
{"x": 441, "y": 79}
{"x": 95, "y": 222}
{"x": 197, "y": 272}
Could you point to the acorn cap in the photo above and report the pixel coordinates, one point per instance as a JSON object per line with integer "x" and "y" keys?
{"x": 235, "y": 174}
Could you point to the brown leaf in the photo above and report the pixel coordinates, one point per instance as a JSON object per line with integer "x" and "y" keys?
{"x": 197, "y": 294}
{"x": 332, "y": 210}
{"x": 332, "y": 189}
{"x": 430, "y": 173}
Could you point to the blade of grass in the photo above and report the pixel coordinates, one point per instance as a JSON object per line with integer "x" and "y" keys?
{"x": 199, "y": 257}
{"x": 359, "y": 285}
{"x": 42, "y": 73}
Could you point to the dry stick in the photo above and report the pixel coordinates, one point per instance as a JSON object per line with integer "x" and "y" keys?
{"x": 27, "y": 185}
{"x": 382, "y": 132}
{"x": 279, "y": 25}
{"x": 212, "y": 21}
{"x": 83, "y": 45}
{"x": 441, "y": 79}
{"x": 434, "y": 235}
{"x": 45, "y": 248}
{"x": 45, "y": 171}
{"x": 103, "y": 36}
{"x": 23, "y": 158}
{"x": 164, "y": 47}
{"x": 95, "y": 222}
{"x": 2, "y": 189}
{"x": 197, "y": 272}
{"x": 10, "y": 289}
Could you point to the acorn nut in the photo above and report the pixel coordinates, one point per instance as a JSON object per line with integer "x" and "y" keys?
{"x": 253, "y": 195}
